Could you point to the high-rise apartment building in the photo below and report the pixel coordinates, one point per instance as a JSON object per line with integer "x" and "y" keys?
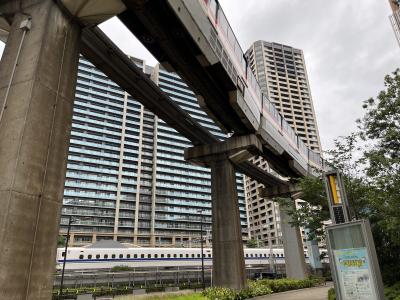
{"x": 395, "y": 18}
{"x": 282, "y": 76}
{"x": 126, "y": 176}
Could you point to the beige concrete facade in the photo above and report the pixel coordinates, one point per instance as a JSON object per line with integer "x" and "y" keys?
{"x": 395, "y": 18}
{"x": 281, "y": 73}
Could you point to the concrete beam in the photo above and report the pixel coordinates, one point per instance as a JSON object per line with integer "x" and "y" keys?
{"x": 290, "y": 190}
{"x": 36, "y": 102}
{"x": 245, "y": 145}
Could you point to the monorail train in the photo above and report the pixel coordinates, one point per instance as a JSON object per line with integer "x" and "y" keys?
{"x": 210, "y": 30}
{"x": 106, "y": 258}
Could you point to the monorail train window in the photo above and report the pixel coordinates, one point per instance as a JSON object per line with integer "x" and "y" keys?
{"x": 81, "y": 256}
{"x": 255, "y": 255}
{"x": 192, "y": 255}
{"x": 181, "y": 255}
{"x": 112, "y": 255}
{"x": 134, "y": 255}
{"x": 97, "y": 256}
{"x": 63, "y": 254}
{"x": 247, "y": 255}
{"x": 209, "y": 255}
{"x": 121, "y": 256}
{"x": 265, "y": 255}
{"x": 155, "y": 255}
{"x": 128, "y": 256}
{"x": 142, "y": 255}
{"x": 105, "y": 255}
{"x": 251, "y": 255}
{"x": 89, "y": 256}
{"x": 187, "y": 255}
{"x": 162, "y": 255}
{"x": 198, "y": 255}
{"x": 148, "y": 255}
{"x": 175, "y": 255}
{"x": 168, "y": 255}
{"x": 281, "y": 255}
{"x": 273, "y": 255}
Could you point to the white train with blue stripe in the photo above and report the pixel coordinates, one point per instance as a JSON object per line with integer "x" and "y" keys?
{"x": 80, "y": 258}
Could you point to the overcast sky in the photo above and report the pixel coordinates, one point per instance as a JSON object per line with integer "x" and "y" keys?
{"x": 348, "y": 45}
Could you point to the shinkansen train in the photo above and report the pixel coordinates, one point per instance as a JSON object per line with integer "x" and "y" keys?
{"x": 209, "y": 28}
{"x": 106, "y": 258}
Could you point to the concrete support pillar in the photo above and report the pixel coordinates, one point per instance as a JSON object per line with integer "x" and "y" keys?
{"x": 227, "y": 241}
{"x": 228, "y": 257}
{"x": 37, "y": 101}
{"x": 292, "y": 244}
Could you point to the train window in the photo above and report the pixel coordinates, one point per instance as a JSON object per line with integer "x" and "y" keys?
{"x": 265, "y": 255}
{"x": 247, "y": 255}
{"x": 81, "y": 256}
{"x": 162, "y": 255}
{"x": 105, "y": 255}
{"x": 168, "y": 255}
{"x": 97, "y": 256}
{"x": 187, "y": 255}
{"x": 121, "y": 256}
{"x": 112, "y": 255}
{"x": 142, "y": 255}
{"x": 192, "y": 255}
{"x": 181, "y": 255}
{"x": 256, "y": 255}
{"x": 209, "y": 255}
{"x": 89, "y": 256}
{"x": 175, "y": 255}
{"x": 128, "y": 256}
{"x": 155, "y": 255}
{"x": 251, "y": 255}
{"x": 273, "y": 255}
{"x": 281, "y": 255}
{"x": 148, "y": 255}
{"x": 198, "y": 255}
{"x": 63, "y": 254}
{"x": 134, "y": 255}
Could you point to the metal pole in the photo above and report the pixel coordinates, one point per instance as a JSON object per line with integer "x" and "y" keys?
{"x": 201, "y": 245}
{"x": 65, "y": 257}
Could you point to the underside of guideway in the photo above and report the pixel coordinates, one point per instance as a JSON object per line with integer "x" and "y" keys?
{"x": 37, "y": 83}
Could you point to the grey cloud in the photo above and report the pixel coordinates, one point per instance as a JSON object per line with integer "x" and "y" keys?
{"x": 348, "y": 45}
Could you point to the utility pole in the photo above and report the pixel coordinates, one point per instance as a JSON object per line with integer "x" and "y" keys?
{"x": 65, "y": 256}
{"x": 201, "y": 247}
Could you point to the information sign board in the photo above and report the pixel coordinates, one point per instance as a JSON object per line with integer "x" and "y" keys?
{"x": 354, "y": 275}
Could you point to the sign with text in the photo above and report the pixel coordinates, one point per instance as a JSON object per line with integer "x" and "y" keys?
{"x": 354, "y": 275}
{"x": 354, "y": 265}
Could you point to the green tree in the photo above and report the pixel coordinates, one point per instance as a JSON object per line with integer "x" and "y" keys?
{"x": 252, "y": 243}
{"x": 370, "y": 162}
{"x": 61, "y": 241}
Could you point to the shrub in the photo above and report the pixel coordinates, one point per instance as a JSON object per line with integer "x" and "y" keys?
{"x": 282, "y": 285}
{"x": 121, "y": 268}
{"x": 220, "y": 293}
{"x": 393, "y": 292}
{"x": 331, "y": 294}
{"x": 260, "y": 288}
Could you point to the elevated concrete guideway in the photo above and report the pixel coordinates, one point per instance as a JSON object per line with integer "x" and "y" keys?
{"x": 108, "y": 58}
{"x": 194, "y": 39}
{"x": 37, "y": 83}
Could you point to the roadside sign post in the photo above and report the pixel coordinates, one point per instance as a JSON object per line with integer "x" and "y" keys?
{"x": 354, "y": 263}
